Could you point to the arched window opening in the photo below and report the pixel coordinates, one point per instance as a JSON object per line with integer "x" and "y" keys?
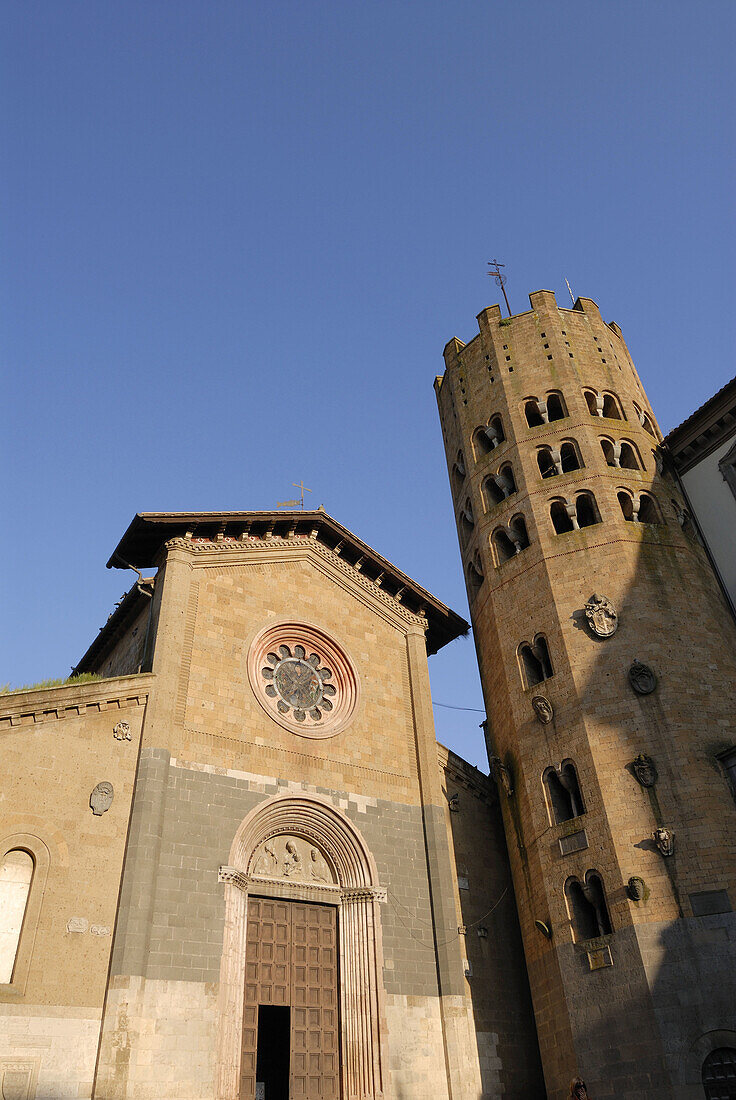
{"x": 629, "y": 459}
{"x": 507, "y": 479}
{"x": 496, "y": 428}
{"x": 648, "y": 510}
{"x": 546, "y": 462}
{"x": 482, "y": 443}
{"x": 609, "y": 452}
{"x": 594, "y": 403}
{"x": 586, "y": 510}
{"x": 719, "y": 1074}
{"x": 533, "y": 414}
{"x": 645, "y": 420}
{"x": 569, "y": 457}
{"x": 562, "y": 521}
{"x": 503, "y": 548}
{"x": 586, "y": 905}
{"x": 555, "y": 407}
{"x": 466, "y": 523}
{"x": 518, "y": 533}
{"x": 475, "y": 576}
{"x": 627, "y": 506}
{"x": 532, "y": 671}
{"x": 458, "y": 472}
{"x": 493, "y": 493}
{"x": 611, "y": 410}
{"x": 563, "y": 793}
{"x": 16, "y": 874}
{"x": 541, "y": 652}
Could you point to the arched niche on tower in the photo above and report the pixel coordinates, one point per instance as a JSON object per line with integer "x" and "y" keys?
{"x": 302, "y": 848}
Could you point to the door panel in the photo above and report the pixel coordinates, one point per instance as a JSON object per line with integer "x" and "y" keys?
{"x": 291, "y": 960}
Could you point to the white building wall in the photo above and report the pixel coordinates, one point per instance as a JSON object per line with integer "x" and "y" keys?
{"x": 715, "y": 507}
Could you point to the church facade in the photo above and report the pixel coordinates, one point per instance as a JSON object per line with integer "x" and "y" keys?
{"x": 235, "y": 864}
{"x": 254, "y": 872}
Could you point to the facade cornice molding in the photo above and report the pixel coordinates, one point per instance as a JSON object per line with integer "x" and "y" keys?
{"x": 232, "y": 876}
{"x": 29, "y": 706}
{"x": 230, "y": 551}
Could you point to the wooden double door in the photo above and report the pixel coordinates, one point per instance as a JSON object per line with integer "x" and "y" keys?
{"x": 290, "y": 1039}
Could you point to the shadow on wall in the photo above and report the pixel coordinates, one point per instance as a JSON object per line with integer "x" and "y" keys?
{"x": 674, "y": 968}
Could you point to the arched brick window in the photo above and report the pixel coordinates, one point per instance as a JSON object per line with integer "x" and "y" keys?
{"x": 562, "y": 520}
{"x": 611, "y": 407}
{"x": 534, "y": 661}
{"x": 466, "y": 522}
{"x": 518, "y": 532}
{"x": 548, "y": 462}
{"x": 645, "y": 420}
{"x": 495, "y": 430}
{"x": 627, "y": 505}
{"x": 570, "y": 456}
{"x": 503, "y": 547}
{"x": 458, "y": 473}
{"x": 535, "y": 412}
{"x": 587, "y": 907}
{"x": 630, "y": 458}
{"x": 595, "y": 405}
{"x": 562, "y": 790}
{"x": 507, "y": 479}
{"x": 555, "y": 406}
{"x": 648, "y": 509}
{"x": 586, "y": 510}
{"x": 482, "y": 443}
{"x": 475, "y": 576}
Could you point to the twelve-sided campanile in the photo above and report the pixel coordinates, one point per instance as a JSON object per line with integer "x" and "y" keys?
{"x": 607, "y": 656}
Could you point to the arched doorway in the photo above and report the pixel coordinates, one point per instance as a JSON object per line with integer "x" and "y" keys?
{"x": 298, "y": 868}
{"x": 719, "y": 1074}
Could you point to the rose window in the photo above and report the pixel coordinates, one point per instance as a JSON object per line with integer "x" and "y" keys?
{"x": 303, "y": 679}
{"x": 299, "y": 683}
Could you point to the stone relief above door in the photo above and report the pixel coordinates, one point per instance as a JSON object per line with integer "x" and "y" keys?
{"x": 294, "y": 858}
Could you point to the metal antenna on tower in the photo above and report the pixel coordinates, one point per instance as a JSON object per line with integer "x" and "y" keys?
{"x": 500, "y": 280}
{"x": 569, "y": 291}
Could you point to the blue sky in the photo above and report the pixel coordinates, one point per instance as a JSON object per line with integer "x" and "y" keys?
{"x": 238, "y": 235}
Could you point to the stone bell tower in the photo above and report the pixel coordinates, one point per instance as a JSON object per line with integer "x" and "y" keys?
{"x": 607, "y": 655}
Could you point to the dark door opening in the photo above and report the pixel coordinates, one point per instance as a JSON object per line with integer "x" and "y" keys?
{"x": 272, "y": 1057}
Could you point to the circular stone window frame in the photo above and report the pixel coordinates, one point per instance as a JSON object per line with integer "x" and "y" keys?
{"x": 331, "y": 654}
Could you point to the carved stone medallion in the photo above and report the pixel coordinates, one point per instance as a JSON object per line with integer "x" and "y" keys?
{"x": 292, "y": 857}
{"x": 644, "y": 770}
{"x": 101, "y": 798}
{"x": 635, "y": 888}
{"x": 501, "y": 775}
{"x": 665, "y": 840}
{"x": 77, "y": 924}
{"x": 121, "y": 732}
{"x": 303, "y": 679}
{"x": 543, "y": 709}
{"x": 601, "y": 616}
{"x": 642, "y": 678}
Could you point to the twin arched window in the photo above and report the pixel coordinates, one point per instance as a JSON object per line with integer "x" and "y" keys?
{"x": 645, "y": 420}
{"x": 562, "y": 791}
{"x": 498, "y": 487}
{"x": 506, "y": 542}
{"x": 587, "y": 907}
{"x": 488, "y": 437}
{"x": 545, "y": 410}
{"x": 639, "y": 507}
{"x": 621, "y": 454}
{"x": 466, "y": 522}
{"x": 534, "y": 661}
{"x": 604, "y": 404}
{"x": 458, "y": 472}
{"x": 571, "y": 516}
{"x": 553, "y": 460}
{"x": 475, "y": 575}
